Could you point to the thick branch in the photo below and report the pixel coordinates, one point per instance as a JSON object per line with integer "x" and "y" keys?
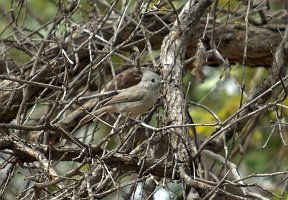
{"x": 172, "y": 59}
{"x": 29, "y": 153}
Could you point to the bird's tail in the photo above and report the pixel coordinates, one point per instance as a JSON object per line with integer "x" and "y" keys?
{"x": 92, "y": 116}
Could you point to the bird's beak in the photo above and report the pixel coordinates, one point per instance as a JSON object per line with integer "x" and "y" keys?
{"x": 162, "y": 82}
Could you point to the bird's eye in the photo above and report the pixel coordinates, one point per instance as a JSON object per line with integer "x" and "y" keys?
{"x": 152, "y": 80}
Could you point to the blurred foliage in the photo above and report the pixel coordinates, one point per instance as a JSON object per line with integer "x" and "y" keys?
{"x": 221, "y": 93}
{"x": 223, "y": 98}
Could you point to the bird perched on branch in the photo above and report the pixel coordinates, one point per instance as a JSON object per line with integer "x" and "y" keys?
{"x": 132, "y": 101}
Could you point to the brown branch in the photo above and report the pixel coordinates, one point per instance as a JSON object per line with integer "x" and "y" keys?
{"x": 231, "y": 46}
{"x": 172, "y": 58}
{"x": 53, "y": 87}
{"x": 27, "y": 153}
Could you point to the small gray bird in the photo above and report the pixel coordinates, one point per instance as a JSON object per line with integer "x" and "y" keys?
{"x": 132, "y": 101}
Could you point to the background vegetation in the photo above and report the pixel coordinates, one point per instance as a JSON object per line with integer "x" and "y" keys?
{"x": 56, "y": 58}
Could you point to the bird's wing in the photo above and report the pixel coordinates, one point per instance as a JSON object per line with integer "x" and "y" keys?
{"x": 131, "y": 94}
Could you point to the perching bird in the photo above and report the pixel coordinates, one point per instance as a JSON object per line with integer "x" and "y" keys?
{"x": 133, "y": 101}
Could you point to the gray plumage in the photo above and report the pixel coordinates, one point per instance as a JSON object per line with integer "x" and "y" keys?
{"x": 132, "y": 101}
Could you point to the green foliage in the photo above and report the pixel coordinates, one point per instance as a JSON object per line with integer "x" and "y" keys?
{"x": 221, "y": 94}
